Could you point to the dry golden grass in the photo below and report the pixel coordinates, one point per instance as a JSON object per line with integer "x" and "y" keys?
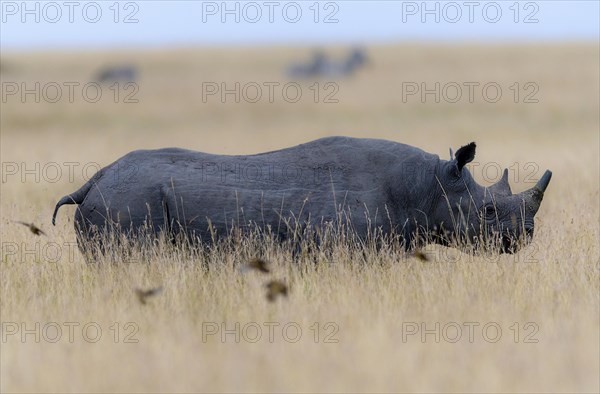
{"x": 362, "y": 307}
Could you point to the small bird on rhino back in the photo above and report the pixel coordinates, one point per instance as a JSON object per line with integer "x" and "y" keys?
{"x": 383, "y": 186}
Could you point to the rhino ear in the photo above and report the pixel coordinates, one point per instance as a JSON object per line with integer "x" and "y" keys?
{"x": 465, "y": 155}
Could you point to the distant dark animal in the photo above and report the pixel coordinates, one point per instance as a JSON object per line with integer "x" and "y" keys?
{"x": 142, "y": 295}
{"x": 276, "y": 288}
{"x": 121, "y": 74}
{"x": 355, "y": 60}
{"x": 366, "y": 186}
{"x": 322, "y": 66}
{"x": 313, "y": 68}
{"x": 32, "y": 227}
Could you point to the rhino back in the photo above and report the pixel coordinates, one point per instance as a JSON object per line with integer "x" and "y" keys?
{"x": 371, "y": 180}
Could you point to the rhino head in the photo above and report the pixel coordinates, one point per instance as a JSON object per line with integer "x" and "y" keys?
{"x": 475, "y": 216}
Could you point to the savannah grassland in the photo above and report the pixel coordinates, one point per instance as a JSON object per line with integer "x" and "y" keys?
{"x": 550, "y": 289}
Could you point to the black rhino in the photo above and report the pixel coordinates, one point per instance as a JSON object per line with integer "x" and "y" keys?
{"x": 370, "y": 184}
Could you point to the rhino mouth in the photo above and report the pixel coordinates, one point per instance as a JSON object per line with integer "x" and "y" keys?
{"x": 512, "y": 243}
{"x": 506, "y": 241}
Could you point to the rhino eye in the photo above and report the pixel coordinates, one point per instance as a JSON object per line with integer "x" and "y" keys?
{"x": 490, "y": 212}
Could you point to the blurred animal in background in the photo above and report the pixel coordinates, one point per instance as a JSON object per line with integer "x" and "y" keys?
{"x": 354, "y": 61}
{"x": 124, "y": 74}
{"x": 311, "y": 69}
{"x": 321, "y": 66}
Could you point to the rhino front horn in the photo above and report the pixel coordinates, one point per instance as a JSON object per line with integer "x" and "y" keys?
{"x": 533, "y": 197}
{"x": 544, "y": 181}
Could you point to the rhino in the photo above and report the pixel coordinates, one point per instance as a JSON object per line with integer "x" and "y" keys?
{"x": 371, "y": 185}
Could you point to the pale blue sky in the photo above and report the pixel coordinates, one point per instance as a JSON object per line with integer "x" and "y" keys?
{"x": 200, "y": 22}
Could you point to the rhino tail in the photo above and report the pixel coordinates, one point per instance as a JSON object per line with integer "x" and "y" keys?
{"x": 76, "y": 197}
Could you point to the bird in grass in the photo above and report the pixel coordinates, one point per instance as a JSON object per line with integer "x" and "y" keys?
{"x": 420, "y": 255}
{"x": 276, "y": 288}
{"x": 32, "y": 227}
{"x": 257, "y": 264}
{"x": 143, "y": 294}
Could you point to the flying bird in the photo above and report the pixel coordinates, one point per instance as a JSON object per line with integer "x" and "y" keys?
{"x": 420, "y": 255}
{"x": 276, "y": 288}
{"x": 143, "y": 294}
{"x": 32, "y": 227}
{"x": 258, "y": 264}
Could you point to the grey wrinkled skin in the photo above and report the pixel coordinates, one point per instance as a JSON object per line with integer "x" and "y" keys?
{"x": 367, "y": 183}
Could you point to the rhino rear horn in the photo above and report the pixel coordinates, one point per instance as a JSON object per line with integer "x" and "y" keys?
{"x": 503, "y": 182}
{"x": 502, "y": 186}
{"x": 465, "y": 155}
